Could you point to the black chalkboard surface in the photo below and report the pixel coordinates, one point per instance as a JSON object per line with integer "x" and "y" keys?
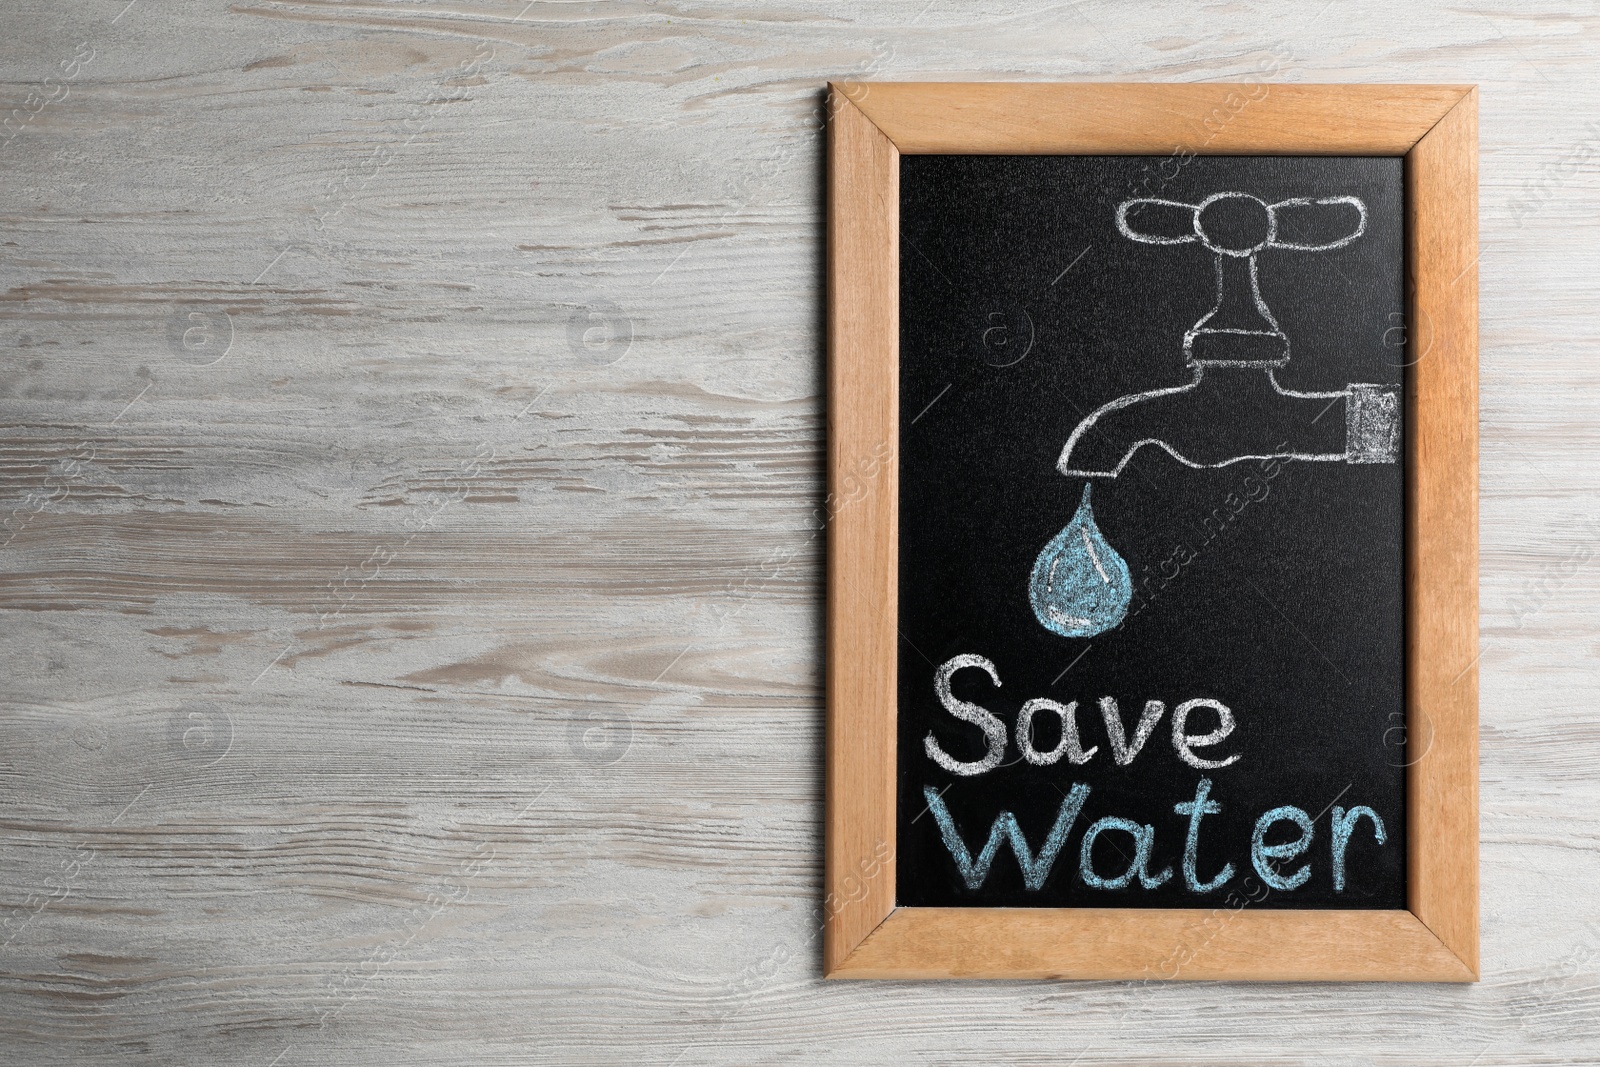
{"x": 1150, "y": 478}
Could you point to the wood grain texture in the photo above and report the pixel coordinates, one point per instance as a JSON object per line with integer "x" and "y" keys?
{"x": 862, "y": 507}
{"x": 636, "y": 572}
{"x": 1441, "y": 536}
{"x": 1442, "y": 532}
{"x": 1144, "y": 119}
{"x": 1155, "y": 944}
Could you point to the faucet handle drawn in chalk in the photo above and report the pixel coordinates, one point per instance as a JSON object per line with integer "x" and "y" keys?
{"x": 1239, "y": 342}
{"x": 1240, "y": 330}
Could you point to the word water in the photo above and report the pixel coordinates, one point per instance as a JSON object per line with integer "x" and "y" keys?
{"x": 1080, "y": 586}
{"x": 1274, "y": 863}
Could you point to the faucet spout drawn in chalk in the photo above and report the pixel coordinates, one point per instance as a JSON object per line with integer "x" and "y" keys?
{"x": 1233, "y": 407}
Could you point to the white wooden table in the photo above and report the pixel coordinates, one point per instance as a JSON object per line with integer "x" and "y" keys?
{"x": 411, "y": 585}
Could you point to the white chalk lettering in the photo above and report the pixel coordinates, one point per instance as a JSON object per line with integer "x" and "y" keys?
{"x": 1184, "y": 743}
{"x": 1070, "y": 745}
{"x": 994, "y": 731}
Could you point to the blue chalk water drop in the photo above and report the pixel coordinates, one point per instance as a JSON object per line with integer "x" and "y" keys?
{"x": 1080, "y": 586}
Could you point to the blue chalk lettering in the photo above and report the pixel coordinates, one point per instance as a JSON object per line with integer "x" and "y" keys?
{"x": 1005, "y": 828}
{"x": 1197, "y": 809}
{"x": 1261, "y": 852}
{"x": 1343, "y": 823}
{"x": 1144, "y": 839}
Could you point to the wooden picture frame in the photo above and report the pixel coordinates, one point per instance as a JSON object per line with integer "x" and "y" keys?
{"x": 1434, "y": 127}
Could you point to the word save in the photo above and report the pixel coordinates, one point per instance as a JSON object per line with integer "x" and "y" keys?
{"x": 1123, "y": 748}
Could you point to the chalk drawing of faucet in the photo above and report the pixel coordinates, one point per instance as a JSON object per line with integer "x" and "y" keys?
{"x": 1234, "y": 351}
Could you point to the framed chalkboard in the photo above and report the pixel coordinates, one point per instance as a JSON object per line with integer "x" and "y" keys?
{"x": 1152, "y": 532}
